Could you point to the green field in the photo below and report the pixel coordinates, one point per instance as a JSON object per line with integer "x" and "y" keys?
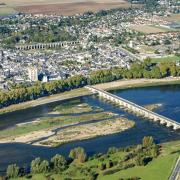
{"x": 160, "y": 168}
{"x": 169, "y": 58}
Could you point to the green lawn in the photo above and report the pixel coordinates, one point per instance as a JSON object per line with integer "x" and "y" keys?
{"x": 168, "y": 58}
{"x": 158, "y": 169}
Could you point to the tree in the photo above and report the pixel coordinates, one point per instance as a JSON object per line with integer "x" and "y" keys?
{"x": 78, "y": 154}
{"x": 155, "y": 151}
{"x": 147, "y": 141}
{"x": 58, "y": 162}
{"x": 44, "y": 166}
{"x": 12, "y": 171}
{"x": 39, "y": 166}
{"x": 156, "y": 73}
{"x": 35, "y": 165}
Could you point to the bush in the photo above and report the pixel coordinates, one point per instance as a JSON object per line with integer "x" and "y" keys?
{"x": 109, "y": 164}
{"x": 129, "y": 156}
{"x": 142, "y": 161}
{"x": 112, "y": 150}
{"x": 111, "y": 171}
{"x": 102, "y": 166}
{"x": 129, "y": 166}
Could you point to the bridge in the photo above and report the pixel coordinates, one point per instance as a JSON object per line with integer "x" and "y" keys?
{"x": 135, "y": 108}
{"x": 46, "y": 45}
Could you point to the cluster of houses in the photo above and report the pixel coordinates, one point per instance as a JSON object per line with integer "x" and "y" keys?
{"x": 89, "y": 54}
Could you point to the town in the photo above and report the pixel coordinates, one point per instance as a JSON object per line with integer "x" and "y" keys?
{"x": 87, "y": 42}
{"x": 89, "y": 89}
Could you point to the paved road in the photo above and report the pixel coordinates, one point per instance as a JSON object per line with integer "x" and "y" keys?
{"x": 176, "y": 171}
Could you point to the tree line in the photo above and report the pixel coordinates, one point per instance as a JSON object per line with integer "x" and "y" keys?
{"x": 144, "y": 69}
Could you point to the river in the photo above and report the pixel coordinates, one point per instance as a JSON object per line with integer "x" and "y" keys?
{"x": 169, "y": 96}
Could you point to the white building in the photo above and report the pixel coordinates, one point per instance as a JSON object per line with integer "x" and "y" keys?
{"x": 33, "y": 74}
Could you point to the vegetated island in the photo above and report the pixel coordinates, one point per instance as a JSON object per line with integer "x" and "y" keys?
{"x": 88, "y": 131}
{"x": 153, "y": 107}
{"x": 67, "y": 122}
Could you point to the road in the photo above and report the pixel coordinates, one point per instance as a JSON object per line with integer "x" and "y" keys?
{"x": 176, "y": 171}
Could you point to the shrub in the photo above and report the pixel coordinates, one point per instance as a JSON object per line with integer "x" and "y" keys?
{"x": 129, "y": 166}
{"x": 109, "y": 164}
{"x": 112, "y": 150}
{"x": 111, "y": 171}
{"x": 102, "y": 166}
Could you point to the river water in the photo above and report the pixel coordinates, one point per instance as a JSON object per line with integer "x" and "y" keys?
{"x": 169, "y": 96}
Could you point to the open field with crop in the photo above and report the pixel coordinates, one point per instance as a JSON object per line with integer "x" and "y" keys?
{"x": 35, "y": 2}
{"x": 70, "y": 7}
{"x": 147, "y": 29}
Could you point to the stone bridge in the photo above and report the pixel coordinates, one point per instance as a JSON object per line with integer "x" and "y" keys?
{"x": 46, "y": 45}
{"x": 134, "y": 108}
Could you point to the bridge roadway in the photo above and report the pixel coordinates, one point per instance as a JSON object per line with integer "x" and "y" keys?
{"x": 135, "y": 108}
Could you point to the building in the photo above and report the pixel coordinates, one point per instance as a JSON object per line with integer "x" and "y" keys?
{"x": 33, "y": 74}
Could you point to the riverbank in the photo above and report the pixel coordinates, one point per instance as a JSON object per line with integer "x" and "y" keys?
{"x": 120, "y": 84}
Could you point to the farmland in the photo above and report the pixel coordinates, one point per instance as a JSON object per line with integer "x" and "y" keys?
{"x": 147, "y": 29}
{"x": 70, "y": 7}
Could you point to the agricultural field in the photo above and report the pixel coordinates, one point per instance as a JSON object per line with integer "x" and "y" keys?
{"x": 70, "y": 7}
{"x": 145, "y": 49}
{"x": 147, "y": 29}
